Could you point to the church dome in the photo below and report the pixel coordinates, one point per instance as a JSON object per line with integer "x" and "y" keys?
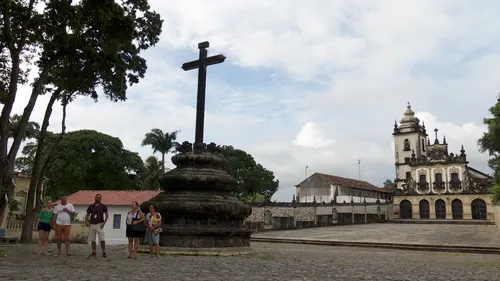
{"x": 409, "y": 116}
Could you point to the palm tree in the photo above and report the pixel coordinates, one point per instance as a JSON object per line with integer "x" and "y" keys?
{"x": 153, "y": 171}
{"x": 32, "y": 129}
{"x": 161, "y": 142}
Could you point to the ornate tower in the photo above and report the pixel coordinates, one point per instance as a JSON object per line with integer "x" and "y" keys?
{"x": 409, "y": 138}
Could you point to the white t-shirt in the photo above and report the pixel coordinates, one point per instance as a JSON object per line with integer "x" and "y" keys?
{"x": 63, "y": 218}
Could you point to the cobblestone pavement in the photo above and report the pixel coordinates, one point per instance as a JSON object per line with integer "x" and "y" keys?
{"x": 422, "y": 234}
{"x": 269, "y": 262}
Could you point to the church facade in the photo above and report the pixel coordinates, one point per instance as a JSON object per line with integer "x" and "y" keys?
{"x": 433, "y": 183}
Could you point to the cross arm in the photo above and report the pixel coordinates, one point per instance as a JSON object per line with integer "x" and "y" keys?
{"x": 204, "y": 62}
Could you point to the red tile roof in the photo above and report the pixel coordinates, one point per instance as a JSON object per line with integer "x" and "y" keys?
{"x": 111, "y": 197}
{"x": 352, "y": 183}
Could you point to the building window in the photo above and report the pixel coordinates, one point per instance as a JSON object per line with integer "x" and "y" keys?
{"x": 407, "y": 160}
{"x": 438, "y": 177}
{"x": 423, "y": 144}
{"x": 407, "y": 145}
{"x": 455, "y": 181}
{"x": 408, "y": 175}
{"x": 422, "y": 178}
{"x": 117, "y": 221}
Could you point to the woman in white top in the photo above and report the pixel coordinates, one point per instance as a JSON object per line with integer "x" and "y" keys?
{"x": 135, "y": 225}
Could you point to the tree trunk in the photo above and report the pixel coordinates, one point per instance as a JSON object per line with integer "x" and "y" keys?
{"x": 163, "y": 163}
{"x": 32, "y": 207}
{"x": 16, "y": 46}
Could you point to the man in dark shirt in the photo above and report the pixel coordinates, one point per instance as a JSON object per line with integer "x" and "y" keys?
{"x": 96, "y": 218}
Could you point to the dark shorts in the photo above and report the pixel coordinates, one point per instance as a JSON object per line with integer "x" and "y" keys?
{"x": 133, "y": 234}
{"x": 43, "y": 226}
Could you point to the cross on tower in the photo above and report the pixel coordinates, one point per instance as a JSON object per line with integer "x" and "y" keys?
{"x": 201, "y": 64}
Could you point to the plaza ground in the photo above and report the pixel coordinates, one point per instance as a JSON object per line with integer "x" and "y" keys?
{"x": 269, "y": 262}
{"x": 394, "y": 233}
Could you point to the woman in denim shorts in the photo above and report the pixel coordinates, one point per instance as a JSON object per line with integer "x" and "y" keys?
{"x": 153, "y": 230}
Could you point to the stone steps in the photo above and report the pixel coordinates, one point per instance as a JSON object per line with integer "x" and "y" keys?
{"x": 412, "y": 247}
{"x": 436, "y": 221}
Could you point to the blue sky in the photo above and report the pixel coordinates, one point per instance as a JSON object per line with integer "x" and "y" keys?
{"x": 317, "y": 83}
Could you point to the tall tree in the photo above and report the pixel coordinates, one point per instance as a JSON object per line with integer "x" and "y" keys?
{"x": 161, "y": 142}
{"x": 490, "y": 142}
{"x": 87, "y": 159}
{"x": 79, "y": 47}
{"x": 31, "y": 131}
{"x": 389, "y": 183}
{"x": 152, "y": 170}
{"x": 252, "y": 177}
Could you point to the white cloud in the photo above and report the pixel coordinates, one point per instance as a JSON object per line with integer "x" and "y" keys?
{"x": 355, "y": 64}
{"x": 311, "y": 135}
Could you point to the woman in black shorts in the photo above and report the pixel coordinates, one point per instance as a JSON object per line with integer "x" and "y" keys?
{"x": 44, "y": 222}
{"x": 134, "y": 232}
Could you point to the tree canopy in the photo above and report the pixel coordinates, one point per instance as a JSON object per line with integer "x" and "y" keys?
{"x": 490, "y": 142}
{"x": 87, "y": 159}
{"x": 253, "y": 179}
{"x": 389, "y": 183}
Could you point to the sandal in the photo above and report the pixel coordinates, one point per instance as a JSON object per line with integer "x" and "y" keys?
{"x": 93, "y": 255}
{"x": 104, "y": 255}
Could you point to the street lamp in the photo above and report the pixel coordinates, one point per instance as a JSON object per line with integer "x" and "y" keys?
{"x": 359, "y": 169}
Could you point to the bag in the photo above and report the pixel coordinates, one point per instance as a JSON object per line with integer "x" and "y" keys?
{"x": 139, "y": 227}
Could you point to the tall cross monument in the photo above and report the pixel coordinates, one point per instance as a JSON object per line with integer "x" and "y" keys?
{"x": 201, "y": 64}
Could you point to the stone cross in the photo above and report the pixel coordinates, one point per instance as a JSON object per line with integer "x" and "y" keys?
{"x": 201, "y": 64}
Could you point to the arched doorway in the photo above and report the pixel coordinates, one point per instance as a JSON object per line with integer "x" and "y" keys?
{"x": 405, "y": 209}
{"x": 440, "y": 209}
{"x": 424, "y": 209}
{"x": 457, "y": 209}
{"x": 478, "y": 209}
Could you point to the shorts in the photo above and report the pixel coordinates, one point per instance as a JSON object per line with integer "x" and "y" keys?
{"x": 63, "y": 232}
{"x": 44, "y": 226}
{"x": 96, "y": 230}
{"x": 133, "y": 234}
{"x": 152, "y": 238}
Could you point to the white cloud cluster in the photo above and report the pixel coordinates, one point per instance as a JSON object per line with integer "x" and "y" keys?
{"x": 368, "y": 57}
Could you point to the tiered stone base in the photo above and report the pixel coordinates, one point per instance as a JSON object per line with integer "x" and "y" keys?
{"x": 200, "y": 213}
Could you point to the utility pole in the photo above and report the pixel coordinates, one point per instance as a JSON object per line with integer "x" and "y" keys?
{"x": 308, "y": 189}
{"x": 359, "y": 169}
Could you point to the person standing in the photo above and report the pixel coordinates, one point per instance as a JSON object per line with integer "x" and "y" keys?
{"x": 153, "y": 229}
{"x": 134, "y": 218}
{"x": 62, "y": 220}
{"x": 44, "y": 223}
{"x": 97, "y": 216}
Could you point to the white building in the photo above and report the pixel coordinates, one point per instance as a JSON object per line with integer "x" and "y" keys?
{"x": 118, "y": 203}
{"x": 327, "y": 188}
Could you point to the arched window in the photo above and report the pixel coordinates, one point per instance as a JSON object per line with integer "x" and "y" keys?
{"x": 407, "y": 145}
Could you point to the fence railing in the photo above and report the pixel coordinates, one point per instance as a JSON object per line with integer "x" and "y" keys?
{"x": 16, "y": 225}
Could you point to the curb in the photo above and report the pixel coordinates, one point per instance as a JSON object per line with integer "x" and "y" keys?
{"x": 412, "y": 247}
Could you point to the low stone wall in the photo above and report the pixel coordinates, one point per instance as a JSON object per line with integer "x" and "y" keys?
{"x": 281, "y": 216}
{"x": 496, "y": 215}
{"x": 79, "y": 232}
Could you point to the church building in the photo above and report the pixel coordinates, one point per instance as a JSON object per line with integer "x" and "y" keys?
{"x": 433, "y": 183}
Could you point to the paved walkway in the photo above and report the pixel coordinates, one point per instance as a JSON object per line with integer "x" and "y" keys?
{"x": 419, "y": 234}
{"x": 269, "y": 262}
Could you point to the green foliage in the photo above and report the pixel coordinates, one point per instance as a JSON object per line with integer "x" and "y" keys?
{"x": 490, "y": 142}
{"x": 14, "y": 206}
{"x": 495, "y": 195}
{"x": 152, "y": 170}
{"x": 87, "y": 159}
{"x": 254, "y": 198}
{"x": 252, "y": 177}
{"x": 31, "y": 131}
{"x": 161, "y": 142}
{"x": 389, "y": 183}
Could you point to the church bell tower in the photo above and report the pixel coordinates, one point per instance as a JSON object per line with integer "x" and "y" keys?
{"x": 409, "y": 138}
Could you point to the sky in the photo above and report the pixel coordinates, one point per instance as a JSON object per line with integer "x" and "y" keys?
{"x": 316, "y": 83}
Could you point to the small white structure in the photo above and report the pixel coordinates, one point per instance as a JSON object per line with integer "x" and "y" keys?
{"x": 119, "y": 204}
{"x": 327, "y": 188}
